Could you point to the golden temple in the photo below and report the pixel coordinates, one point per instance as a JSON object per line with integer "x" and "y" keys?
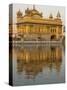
{"x": 32, "y": 25}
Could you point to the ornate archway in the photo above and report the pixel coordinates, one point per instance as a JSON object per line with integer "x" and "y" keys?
{"x": 53, "y": 37}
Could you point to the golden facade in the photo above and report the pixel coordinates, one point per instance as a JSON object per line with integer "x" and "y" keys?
{"x": 33, "y": 26}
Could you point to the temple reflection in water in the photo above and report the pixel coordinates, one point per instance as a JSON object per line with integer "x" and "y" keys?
{"x": 35, "y": 59}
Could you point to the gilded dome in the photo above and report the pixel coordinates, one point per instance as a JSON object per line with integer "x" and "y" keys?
{"x": 58, "y": 15}
{"x": 35, "y": 12}
{"x": 19, "y": 13}
{"x": 32, "y": 12}
{"x": 51, "y": 16}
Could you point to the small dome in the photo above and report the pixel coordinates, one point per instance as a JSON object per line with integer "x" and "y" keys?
{"x": 58, "y": 15}
{"x": 26, "y": 17}
{"x": 35, "y": 12}
{"x": 19, "y": 13}
{"x": 51, "y": 16}
{"x": 27, "y": 11}
{"x": 32, "y": 12}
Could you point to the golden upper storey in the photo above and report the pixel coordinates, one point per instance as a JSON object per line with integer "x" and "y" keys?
{"x": 34, "y": 16}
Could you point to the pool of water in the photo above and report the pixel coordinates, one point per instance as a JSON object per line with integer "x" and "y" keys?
{"x": 38, "y": 64}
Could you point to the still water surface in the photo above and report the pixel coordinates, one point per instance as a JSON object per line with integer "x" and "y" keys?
{"x": 38, "y": 64}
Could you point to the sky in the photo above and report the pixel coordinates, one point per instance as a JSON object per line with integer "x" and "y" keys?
{"x": 46, "y": 10}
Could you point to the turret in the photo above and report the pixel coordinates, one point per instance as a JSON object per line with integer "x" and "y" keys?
{"x": 58, "y": 15}
{"x": 51, "y": 16}
{"x": 19, "y": 13}
{"x": 27, "y": 11}
{"x": 33, "y": 7}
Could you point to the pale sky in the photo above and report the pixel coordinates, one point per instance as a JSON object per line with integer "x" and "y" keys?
{"x": 46, "y": 10}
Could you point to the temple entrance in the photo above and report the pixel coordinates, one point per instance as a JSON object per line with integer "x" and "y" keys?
{"x": 39, "y": 38}
{"x": 53, "y": 37}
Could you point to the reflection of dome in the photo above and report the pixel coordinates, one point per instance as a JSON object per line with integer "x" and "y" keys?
{"x": 32, "y": 62}
{"x": 19, "y": 13}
